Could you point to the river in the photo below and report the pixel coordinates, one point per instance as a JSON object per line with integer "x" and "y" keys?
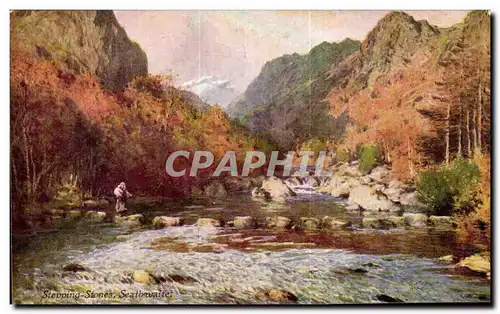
{"x": 348, "y": 266}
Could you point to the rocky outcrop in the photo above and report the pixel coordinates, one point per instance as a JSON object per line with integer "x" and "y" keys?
{"x": 82, "y": 42}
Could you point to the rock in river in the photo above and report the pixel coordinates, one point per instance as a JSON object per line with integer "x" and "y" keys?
{"x": 130, "y": 221}
{"x": 442, "y": 222}
{"x": 332, "y": 223}
{"x": 246, "y": 222}
{"x": 276, "y": 295}
{"x": 477, "y": 263}
{"x": 95, "y": 216}
{"x": 415, "y": 220}
{"x": 279, "y": 222}
{"x": 208, "y": 222}
{"x": 277, "y": 188}
{"x": 144, "y": 277}
{"x": 160, "y": 222}
{"x": 310, "y": 223}
{"x": 369, "y": 199}
{"x": 74, "y": 267}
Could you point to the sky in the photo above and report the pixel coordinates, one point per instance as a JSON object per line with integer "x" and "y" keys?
{"x": 234, "y": 45}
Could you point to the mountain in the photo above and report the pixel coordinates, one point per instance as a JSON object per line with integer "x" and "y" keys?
{"x": 285, "y": 102}
{"x": 82, "y": 41}
{"x": 212, "y": 90}
{"x": 418, "y": 91}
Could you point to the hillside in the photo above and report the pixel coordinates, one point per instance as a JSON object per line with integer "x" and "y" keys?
{"x": 413, "y": 89}
{"x": 85, "y": 113}
{"x": 284, "y": 101}
{"x": 81, "y": 41}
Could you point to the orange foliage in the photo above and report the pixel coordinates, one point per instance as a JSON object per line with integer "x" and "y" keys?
{"x": 387, "y": 114}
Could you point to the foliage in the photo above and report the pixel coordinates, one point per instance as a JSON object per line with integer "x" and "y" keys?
{"x": 315, "y": 145}
{"x": 369, "y": 155}
{"x": 342, "y": 154}
{"x": 450, "y": 189}
{"x": 65, "y": 126}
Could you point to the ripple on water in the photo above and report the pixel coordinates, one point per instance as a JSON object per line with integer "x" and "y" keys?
{"x": 235, "y": 276}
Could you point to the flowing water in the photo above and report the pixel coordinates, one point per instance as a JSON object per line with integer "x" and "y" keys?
{"x": 350, "y": 266}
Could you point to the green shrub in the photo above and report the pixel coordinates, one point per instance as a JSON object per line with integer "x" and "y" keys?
{"x": 342, "y": 155}
{"x": 451, "y": 189}
{"x": 369, "y": 156}
{"x": 315, "y": 145}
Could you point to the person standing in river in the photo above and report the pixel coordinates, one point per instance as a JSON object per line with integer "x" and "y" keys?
{"x": 121, "y": 195}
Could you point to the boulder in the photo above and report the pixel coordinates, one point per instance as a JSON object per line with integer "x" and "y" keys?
{"x": 74, "y": 267}
{"x": 208, "y": 222}
{"x": 365, "y": 180}
{"x": 278, "y": 222}
{"x": 160, "y": 222}
{"x": 276, "y": 295}
{"x": 409, "y": 199}
{"x": 260, "y": 194}
{"x": 143, "y": 277}
{"x": 349, "y": 170}
{"x": 332, "y": 223}
{"x": 442, "y": 222}
{"x": 397, "y": 221}
{"x": 257, "y": 181}
{"x": 95, "y": 216}
{"x": 215, "y": 189}
{"x": 393, "y": 193}
{"x": 277, "y": 188}
{"x": 341, "y": 191}
{"x": 310, "y": 223}
{"x": 477, "y": 263}
{"x": 245, "y": 222}
{"x": 368, "y": 199}
{"x": 415, "y": 219}
{"x": 130, "y": 221}
{"x": 378, "y": 223}
{"x": 380, "y": 173}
